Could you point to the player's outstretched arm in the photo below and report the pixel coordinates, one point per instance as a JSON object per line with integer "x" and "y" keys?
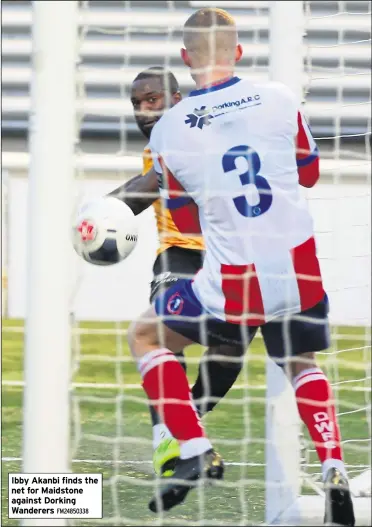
{"x": 139, "y": 192}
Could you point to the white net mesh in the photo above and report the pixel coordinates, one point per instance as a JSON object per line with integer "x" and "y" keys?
{"x": 338, "y": 100}
{"x": 110, "y": 423}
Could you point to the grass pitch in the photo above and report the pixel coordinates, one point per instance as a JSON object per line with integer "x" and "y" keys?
{"x": 111, "y": 431}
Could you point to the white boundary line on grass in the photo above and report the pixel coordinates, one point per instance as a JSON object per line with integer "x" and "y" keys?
{"x": 119, "y": 331}
{"x": 126, "y": 462}
{"x": 149, "y": 462}
{"x": 107, "y": 386}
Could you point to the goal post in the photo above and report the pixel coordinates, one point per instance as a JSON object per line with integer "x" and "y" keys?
{"x": 282, "y": 425}
{"x": 286, "y": 44}
{"x": 50, "y": 191}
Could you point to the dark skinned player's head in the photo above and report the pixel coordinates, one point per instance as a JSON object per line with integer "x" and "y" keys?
{"x": 154, "y": 91}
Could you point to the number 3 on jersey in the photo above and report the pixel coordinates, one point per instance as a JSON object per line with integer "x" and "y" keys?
{"x": 252, "y": 177}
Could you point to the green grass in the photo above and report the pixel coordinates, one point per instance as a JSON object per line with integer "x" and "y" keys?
{"x": 111, "y": 426}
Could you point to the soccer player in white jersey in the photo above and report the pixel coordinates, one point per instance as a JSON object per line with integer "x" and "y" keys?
{"x": 179, "y": 255}
{"x": 231, "y": 146}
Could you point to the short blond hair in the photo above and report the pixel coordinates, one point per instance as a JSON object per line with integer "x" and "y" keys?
{"x": 210, "y": 36}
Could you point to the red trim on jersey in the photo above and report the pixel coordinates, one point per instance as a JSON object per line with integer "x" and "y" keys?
{"x": 309, "y": 278}
{"x": 185, "y": 218}
{"x": 303, "y": 144}
{"x": 309, "y": 174}
{"x": 241, "y": 289}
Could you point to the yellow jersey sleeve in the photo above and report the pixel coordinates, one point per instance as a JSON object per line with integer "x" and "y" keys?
{"x": 147, "y": 162}
{"x": 169, "y": 235}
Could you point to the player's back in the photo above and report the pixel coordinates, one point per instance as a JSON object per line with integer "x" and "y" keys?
{"x": 234, "y": 152}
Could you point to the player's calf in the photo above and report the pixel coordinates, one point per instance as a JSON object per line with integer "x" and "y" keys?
{"x": 218, "y": 371}
{"x": 166, "y": 385}
{"x": 317, "y": 410}
{"x": 298, "y": 339}
{"x": 166, "y": 448}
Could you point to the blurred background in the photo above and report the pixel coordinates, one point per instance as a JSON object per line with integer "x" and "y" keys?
{"x": 121, "y": 38}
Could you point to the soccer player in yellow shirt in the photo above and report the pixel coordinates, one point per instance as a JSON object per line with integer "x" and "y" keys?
{"x": 179, "y": 256}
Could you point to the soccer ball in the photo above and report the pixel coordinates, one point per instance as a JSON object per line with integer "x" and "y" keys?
{"x": 105, "y": 231}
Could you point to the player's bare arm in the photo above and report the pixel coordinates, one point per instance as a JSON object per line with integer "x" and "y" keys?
{"x": 139, "y": 192}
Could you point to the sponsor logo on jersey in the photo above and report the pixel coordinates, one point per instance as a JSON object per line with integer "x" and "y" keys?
{"x": 199, "y": 118}
{"x": 239, "y": 102}
{"x": 202, "y": 117}
{"x": 175, "y": 304}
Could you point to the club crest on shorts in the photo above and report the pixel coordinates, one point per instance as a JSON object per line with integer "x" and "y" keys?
{"x": 175, "y": 304}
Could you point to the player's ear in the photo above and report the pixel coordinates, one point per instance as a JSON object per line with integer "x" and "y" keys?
{"x": 185, "y": 57}
{"x": 238, "y": 52}
{"x": 177, "y": 97}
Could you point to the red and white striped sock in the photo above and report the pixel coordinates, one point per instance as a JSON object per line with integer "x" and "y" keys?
{"x": 166, "y": 385}
{"x": 317, "y": 410}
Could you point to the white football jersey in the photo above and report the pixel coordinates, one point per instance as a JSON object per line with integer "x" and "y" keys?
{"x": 232, "y": 148}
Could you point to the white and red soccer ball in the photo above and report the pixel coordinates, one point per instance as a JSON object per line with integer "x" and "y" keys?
{"x": 105, "y": 231}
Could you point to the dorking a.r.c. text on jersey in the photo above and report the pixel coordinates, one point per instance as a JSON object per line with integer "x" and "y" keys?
{"x": 238, "y": 103}
{"x": 202, "y": 116}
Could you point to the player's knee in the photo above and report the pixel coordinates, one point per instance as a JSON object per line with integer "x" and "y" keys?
{"x": 303, "y": 362}
{"x": 296, "y": 365}
{"x": 227, "y": 356}
{"x": 142, "y": 336}
{"x": 131, "y": 336}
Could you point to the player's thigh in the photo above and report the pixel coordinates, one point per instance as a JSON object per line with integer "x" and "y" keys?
{"x": 146, "y": 334}
{"x": 173, "y": 264}
{"x": 181, "y": 311}
{"x": 302, "y": 334}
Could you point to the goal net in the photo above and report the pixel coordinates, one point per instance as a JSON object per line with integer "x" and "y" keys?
{"x": 253, "y": 427}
